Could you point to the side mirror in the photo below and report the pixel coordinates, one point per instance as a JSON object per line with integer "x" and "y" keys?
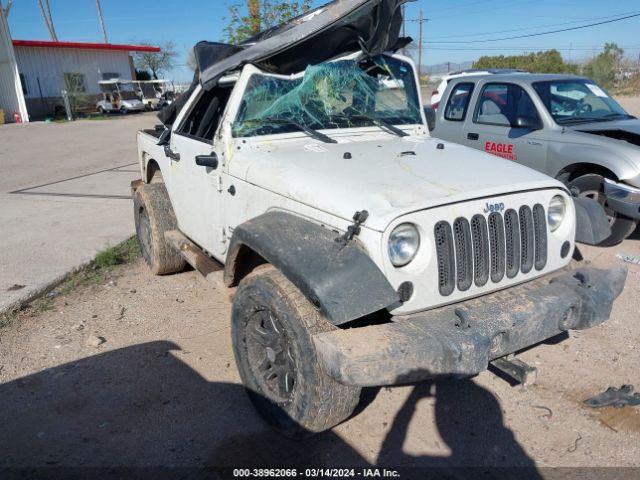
{"x": 430, "y": 114}
{"x": 529, "y": 123}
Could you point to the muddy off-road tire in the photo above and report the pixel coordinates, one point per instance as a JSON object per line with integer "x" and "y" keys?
{"x": 272, "y": 327}
{"x": 592, "y": 186}
{"x": 154, "y": 216}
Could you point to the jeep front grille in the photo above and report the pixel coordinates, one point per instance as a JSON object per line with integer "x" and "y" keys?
{"x": 473, "y": 252}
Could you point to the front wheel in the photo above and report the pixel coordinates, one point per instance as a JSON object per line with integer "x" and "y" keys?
{"x": 272, "y": 329}
{"x": 154, "y": 216}
{"x": 592, "y": 186}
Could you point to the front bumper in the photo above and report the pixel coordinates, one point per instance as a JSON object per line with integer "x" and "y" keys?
{"x": 462, "y": 339}
{"x": 623, "y": 198}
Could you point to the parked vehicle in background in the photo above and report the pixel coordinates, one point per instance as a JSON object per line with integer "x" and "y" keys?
{"x": 118, "y": 96}
{"x": 167, "y": 99}
{"x": 436, "y": 95}
{"x": 565, "y": 126}
{"x": 360, "y": 251}
{"x": 151, "y": 92}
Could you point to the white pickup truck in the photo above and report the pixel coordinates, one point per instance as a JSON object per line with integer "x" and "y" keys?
{"x": 361, "y": 252}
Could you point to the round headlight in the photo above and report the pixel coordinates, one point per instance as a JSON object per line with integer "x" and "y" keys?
{"x": 404, "y": 242}
{"x": 556, "y": 212}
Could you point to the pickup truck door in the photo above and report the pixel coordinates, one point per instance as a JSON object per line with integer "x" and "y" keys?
{"x": 506, "y": 123}
{"x": 196, "y": 172}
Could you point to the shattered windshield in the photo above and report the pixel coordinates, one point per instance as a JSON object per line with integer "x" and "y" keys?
{"x": 342, "y": 94}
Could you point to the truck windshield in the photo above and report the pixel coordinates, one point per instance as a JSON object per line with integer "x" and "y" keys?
{"x": 343, "y": 94}
{"x": 578, "y": 101}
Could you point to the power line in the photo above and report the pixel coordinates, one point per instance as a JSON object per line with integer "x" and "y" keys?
{"x": 520, "y": 49}
{"x": 542, "y": 33}
{"x": 493, "y": 32}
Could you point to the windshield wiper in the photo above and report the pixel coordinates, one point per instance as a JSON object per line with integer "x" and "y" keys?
{"x": 380, "y": 123}
{"x": 302, "y": 128}
{"x": 610, "y": 117}
{"x": 618, "y": 115}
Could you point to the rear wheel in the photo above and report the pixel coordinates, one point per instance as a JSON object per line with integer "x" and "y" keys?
{"x": 272, "y": 331}
{"x": 153, "y": 217}
{"x": 592, "y": 186}
{"x": 101, "y": 110}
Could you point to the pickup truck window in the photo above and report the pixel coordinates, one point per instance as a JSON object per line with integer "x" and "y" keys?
{"x": 578, "y": 101}
{"x": 456, "y": 110}
{"x": 342, "y": 94}
{"x": 502, "y": 103}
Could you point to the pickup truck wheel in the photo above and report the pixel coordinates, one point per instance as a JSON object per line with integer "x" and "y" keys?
{"x": 592, "y": 186}
{"x": 153, "y": 217}
{"x": 272, "y": 327}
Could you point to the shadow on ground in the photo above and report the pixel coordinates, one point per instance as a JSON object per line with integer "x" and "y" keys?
{"x": 142, "y": 406}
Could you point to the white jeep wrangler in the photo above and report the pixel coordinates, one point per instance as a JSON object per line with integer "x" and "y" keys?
{"x": 363, "y": 252}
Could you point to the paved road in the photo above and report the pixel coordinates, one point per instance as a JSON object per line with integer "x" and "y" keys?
{"x": 64, "y": 191}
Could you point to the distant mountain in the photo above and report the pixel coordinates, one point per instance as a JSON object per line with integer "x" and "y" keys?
{"x": 446, "y": 67}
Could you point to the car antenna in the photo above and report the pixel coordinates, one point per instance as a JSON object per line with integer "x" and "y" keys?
{"x": 358, "y": 219}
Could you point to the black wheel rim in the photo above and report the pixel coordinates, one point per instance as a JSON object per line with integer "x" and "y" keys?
{"x": 270, "y": 356}
{"x": 144, "y": 235}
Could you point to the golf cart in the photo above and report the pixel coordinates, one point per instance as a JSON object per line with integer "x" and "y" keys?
{"x": 151, "y": 92}
{"x": 118, "y": 96}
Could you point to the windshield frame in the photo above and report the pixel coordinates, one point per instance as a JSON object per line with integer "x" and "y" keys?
{"x": 250, "y": 71}
{"x": 574, "y": 120}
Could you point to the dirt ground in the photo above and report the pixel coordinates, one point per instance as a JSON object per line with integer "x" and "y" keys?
{"x": 631, "y": 104}
{"x": 162, "y": 390}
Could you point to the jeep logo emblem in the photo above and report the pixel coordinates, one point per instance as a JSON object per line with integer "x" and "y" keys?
{"x": 494, "y": 207}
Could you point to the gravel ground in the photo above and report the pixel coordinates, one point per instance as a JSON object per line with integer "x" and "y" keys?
{"x": 162, "y": 390}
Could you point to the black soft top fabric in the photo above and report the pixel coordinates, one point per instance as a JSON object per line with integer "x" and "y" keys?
{"x": 338, "y": 28}
{"x": 206, "y": 54}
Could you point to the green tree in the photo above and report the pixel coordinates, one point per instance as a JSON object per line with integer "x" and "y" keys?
{"x": 257, "y": 15}
{"x": 549, "y": 61}
{"x": 602, "y": 68}
{"x": 157, "y": 62}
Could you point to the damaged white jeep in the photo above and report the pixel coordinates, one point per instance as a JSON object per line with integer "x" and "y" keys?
{"x": 363, "y": 252}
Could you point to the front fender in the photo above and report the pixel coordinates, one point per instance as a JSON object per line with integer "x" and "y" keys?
{"x": 592, "y": 224}
{"x": 342, "y": 282}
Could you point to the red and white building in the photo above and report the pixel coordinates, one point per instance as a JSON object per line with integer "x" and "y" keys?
{"x": 34, "y": 73}
{"x": 47, "y": 68}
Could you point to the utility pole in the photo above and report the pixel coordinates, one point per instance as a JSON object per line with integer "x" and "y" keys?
{"x": 55, "y": 35}
{"x": 48, "y": 21}
{"x": 104, "y": 30}
{"x": 420, "y": 47}
{"x": 7, "y": 9}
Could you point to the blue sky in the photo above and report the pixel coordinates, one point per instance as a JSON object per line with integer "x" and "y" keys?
{"x": 187, "y": 21}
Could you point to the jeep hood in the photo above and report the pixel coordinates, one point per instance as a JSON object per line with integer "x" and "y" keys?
{"x": 389, "y": 177}
{"x": 335, "y": 29}
{"x": 623, "y": 130}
